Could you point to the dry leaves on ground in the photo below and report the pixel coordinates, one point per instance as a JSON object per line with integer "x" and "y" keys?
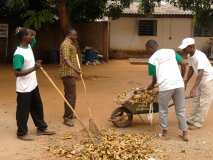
{"x": 113, "y": 146}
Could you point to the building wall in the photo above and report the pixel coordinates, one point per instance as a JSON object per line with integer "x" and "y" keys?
{"x": 50, "y": 37}
{"x": 94, "y": 34}
{"x": 125, "y": 41}
{"x": 202, "y": 42}
{"x": 170, "y": 32}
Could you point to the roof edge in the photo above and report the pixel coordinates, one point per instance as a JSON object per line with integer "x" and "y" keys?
{"x": 157, "y": 15}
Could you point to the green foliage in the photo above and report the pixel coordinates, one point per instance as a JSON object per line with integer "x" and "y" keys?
{"x": 147, "y": 6}
{"x": 194, "y": 5}
{"x": 114, "y": 11}
{"x": 201, "y": 8}
{"x": 35, "y": 13}
{"x": 126, "y": 3}
{"x": 36, "y": 19}
{"x": 17, "y": 4}
{"x": 86, "y": 10}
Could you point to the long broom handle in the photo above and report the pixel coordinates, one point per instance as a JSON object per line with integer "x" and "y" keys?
{"x": 84, "y": 84}
{"x": 81, "y": 75}
{"x": 61, "y": 94}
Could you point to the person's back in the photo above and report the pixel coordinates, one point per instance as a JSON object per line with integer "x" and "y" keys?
{"x": 167, "y": 71}
{"x": 164, "y": 69}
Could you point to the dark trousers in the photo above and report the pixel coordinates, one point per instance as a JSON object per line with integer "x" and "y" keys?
{"x": 70, "y": 94}
{"x": 29, "y": 102}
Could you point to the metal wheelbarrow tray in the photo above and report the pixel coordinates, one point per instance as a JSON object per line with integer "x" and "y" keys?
{"x": 122, "y": 116}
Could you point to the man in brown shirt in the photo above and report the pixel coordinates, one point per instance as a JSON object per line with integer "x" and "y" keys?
{"x": 69, "y": 71}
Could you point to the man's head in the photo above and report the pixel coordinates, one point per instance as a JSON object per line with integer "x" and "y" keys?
{"x": 151, "y": 46}
{"x": 188, "y": 46}
{"x": 72, "y": 34}
{"x": 24, "y": 36}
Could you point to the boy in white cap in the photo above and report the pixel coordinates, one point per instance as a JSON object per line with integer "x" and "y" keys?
{"x": 202, "y": 90}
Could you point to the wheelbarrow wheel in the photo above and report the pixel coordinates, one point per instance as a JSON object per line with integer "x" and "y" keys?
{"x": 121, "y": 117}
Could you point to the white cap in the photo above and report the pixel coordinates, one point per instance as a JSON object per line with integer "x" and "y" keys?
{"x": 186, "y": 42}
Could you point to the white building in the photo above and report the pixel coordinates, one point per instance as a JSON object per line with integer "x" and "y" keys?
{"x": 167, "y": 24}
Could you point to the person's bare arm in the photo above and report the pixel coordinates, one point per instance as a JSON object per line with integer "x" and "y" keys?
{"x": 32, "y": 32}
{"x": 183, "y": 68}
{"x": 22, "y": 73}
{"x": 68, "y": 63}
{"x": 188, "y": 76}
{"x": 154, "y": 81}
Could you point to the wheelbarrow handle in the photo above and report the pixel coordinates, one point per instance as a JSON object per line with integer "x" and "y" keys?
{"x": 188, "y": 97}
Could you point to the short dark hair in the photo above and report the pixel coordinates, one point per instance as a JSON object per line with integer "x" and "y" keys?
{"x": 152, "y": 43}
{"x": 21, "y": 34}
{"x": 69, "y": 31}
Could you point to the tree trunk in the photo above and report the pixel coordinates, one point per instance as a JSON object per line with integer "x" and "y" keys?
{"x": 64, "y": 16}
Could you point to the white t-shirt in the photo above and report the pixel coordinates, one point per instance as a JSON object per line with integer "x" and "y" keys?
{"x": 29, "y": 82}
{"x": 167, "y": 70}
{"x": 200, "y": 61}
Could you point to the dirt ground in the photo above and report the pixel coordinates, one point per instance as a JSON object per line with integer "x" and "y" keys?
{"x": 104, "y": 82}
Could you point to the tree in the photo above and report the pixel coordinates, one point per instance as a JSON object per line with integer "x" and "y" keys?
{"x": 147, "y": 6}
{"x": 40, "y": 12}
{"x": 202, "y": 9}
{"x": 194, "y": 5}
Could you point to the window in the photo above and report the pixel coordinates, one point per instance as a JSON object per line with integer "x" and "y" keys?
{"x": 147, "y": 28}
{"x": 201, "y": 30}
{"x": 204, "y": 25}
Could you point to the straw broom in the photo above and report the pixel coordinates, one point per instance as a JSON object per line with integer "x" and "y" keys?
{"x": 92, "y": 125}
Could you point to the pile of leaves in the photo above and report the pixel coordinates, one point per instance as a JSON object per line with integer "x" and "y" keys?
{"x": 112, "y": 146}
{"x": 143, "y": 96}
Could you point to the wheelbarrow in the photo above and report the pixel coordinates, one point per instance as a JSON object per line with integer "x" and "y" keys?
{"x": 122, "y": 116}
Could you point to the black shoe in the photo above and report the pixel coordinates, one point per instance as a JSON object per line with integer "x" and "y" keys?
{"x": 45, "y": 132}
{"x": 25, "y": 137}
{"x": 68, "y": 122}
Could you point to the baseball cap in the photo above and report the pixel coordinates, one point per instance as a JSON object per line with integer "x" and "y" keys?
{"x": 186, "y": 42}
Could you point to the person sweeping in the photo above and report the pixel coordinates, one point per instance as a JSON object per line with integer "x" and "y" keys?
{"x": 28, "y": 96}
{"x": 69, "y": 71}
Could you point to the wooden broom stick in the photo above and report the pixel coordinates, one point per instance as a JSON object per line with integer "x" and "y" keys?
{"x": 61, "y": 94}
{"x": 81, "y": 75}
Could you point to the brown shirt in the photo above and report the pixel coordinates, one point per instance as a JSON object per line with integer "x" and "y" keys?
{"x": 68, "y": 51}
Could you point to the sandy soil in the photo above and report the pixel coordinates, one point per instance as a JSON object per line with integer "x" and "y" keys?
{"x": 104, "y": 82}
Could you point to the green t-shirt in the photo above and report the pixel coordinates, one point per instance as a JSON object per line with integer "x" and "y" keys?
{"x": 152, "y": 68}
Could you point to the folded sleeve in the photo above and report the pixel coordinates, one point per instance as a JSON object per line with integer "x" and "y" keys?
{"x": 179, "y": 58}
{"x": 151, "y": 69}
{"x": 18, "y": 62}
